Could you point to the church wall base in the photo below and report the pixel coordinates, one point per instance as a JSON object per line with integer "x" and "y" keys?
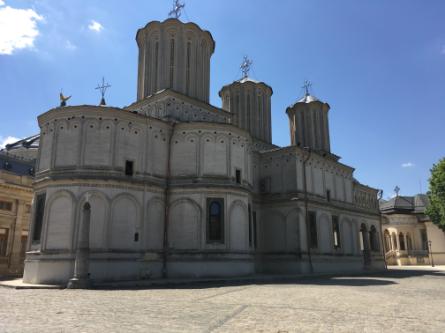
{"x": 56, "y": 272}
{"x": 195, "y": 269}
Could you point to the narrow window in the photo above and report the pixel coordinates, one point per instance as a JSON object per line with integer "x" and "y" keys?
{"x": 38, "y": 216}
{"x": 250, "y": 224}
{"x": 187, "y": 79}
{"x": 336, "y": 232}
{"x": 238, "y": 176}
{"x": 3, "y": 241}
{"x": 215, "y": 220}
{"x": 136, "y": 237}
{"x": 402, "y": 242}
{"x": 6, "y": 205}
{"x": 129, "y": 168}
{"x": 373, "y": 239}
{"x": 313, "y": 237}
{"x": 328, "y": 195}
{"x": 254, "y": 231}
{"x": 172, "y": 61}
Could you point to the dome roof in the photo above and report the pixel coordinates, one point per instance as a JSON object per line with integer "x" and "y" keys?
{"x": 245, "y": 80}
{"x": 308, "y": 99}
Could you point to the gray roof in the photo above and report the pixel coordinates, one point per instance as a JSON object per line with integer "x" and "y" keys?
{"x": 20, "y": 157}
{"x": 308, "y": 99}
{"x": 405, "y": 204}
{"x": 17, "y": 165}
{"x": 25, "y": 148}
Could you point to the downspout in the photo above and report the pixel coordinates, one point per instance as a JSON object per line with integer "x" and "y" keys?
{"x": 166, "y": 204}
{"x": 308, "y": 240}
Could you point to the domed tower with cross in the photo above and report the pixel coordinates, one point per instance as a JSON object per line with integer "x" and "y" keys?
{"x": 250, "y": 103}
{"x": 308, "y": 122}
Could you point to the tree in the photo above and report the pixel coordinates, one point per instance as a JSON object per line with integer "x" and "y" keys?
{"x": 436, "y": 194}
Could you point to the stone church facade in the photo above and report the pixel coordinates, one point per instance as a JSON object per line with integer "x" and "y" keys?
{"x": 173, "y": 186}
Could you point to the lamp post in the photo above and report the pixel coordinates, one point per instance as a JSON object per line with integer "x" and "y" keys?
{"x": 431, "y": 252}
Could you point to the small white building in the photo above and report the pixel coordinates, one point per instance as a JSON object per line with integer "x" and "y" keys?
{"x": 173, "y": 186}
{"x": 410, "y": 237}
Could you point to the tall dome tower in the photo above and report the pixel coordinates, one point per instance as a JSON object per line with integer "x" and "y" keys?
{"x": 308, "y": 122}
{"x": 249, "y": 101}
{"x": 174, "y": 55}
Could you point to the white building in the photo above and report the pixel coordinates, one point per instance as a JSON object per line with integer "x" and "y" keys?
{"x": 173, "y": 186}
{"x": 410, "y": 237}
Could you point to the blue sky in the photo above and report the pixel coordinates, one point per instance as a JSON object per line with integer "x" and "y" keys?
{"x": 379, "y": 64}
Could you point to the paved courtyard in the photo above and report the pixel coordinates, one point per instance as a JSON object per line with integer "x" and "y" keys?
{"x": 399, "y": 300}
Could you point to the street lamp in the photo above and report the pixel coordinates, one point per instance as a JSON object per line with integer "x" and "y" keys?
{"x": 431, "y": 252}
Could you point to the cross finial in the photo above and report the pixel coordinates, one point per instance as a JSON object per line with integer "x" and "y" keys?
{"x": 397, "y": 190}
{"x": 176, "y": 11}
{"x": 103, "y": 88}
{"x": 306, "y": 86}
{"x": 245, "y": 66}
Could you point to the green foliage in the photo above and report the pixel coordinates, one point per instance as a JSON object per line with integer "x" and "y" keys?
{"x": 436, "y": 194}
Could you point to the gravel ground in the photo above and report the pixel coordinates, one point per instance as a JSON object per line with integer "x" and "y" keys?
{"x": 398, "y": 301}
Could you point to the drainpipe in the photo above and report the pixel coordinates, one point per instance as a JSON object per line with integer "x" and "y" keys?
{"x": 308, "y": 239}
{"x": 166, "y": 204}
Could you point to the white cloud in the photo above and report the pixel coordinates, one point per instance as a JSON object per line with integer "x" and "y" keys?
{"x": 407, "y": 165}
{"x": 70, "y": 46}
{"x": 18, "y": 28}
{"x": 95, "y": 26}
{"x": 2, "y": 3}
{"x": 7, "y": 140}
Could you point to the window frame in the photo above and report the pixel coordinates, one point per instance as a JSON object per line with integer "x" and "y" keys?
{"x": 313, "y": 232}
{"x": 336, "y": 231}
{"x": 221, "y": 239}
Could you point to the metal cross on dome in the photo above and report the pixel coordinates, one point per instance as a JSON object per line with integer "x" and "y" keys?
{"x": 245, "y": 66}
{"x": 103, "y": 88}
{"x": 306, "y": 86}
{"x": 176, "y": 11}
{"x": 397, "y": 190}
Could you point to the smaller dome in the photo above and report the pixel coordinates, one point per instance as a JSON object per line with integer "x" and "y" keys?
{"x": 247, "y": 79}
{"x": 308, "y": 99}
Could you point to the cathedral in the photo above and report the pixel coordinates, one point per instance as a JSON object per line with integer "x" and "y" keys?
{"x": 172, "y": 186}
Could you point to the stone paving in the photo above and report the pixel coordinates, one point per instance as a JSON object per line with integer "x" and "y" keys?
{"x": 396, "y": 301}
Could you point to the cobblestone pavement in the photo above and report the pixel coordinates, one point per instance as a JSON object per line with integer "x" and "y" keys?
{"x": 396, "y": 301}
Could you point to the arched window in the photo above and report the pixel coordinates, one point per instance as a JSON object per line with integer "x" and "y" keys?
{"x": 215, "y": 220}
{"x": 402, "y": 242}
{"x": 373, "y": 239}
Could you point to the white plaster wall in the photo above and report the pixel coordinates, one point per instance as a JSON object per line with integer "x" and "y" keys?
{"x": 98, "y": 221}
{"x": 68, "y": 143}
{"x": 347, "y": 236}
{"x": 60, "y": 222}
{"x": 98, "y": 142}
{"x": 184, "y": 222}
{"x": 124, "y": 216}
{"x": 238, "y": 226}
{"x": 325, "y": 233}
{"x": 215, "y": 155}
{"x": 154, "y": 224}
{"x": 185, "y": 155}
{"x": 273, "y": 231}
